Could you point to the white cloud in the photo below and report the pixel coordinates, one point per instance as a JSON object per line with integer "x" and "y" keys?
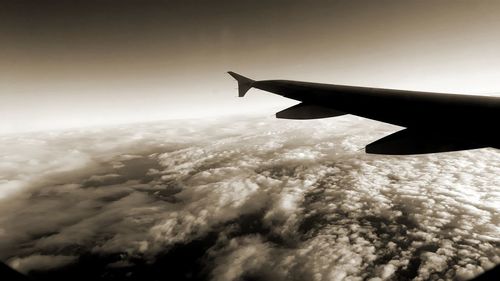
{"x": 245, "y": 256}
{"x": 323, "y": 210}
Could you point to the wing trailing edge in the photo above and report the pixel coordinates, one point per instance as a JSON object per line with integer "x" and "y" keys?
{"x": 244, "y": 83}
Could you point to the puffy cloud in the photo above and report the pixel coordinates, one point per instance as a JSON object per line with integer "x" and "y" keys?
{"x": 286, "y": 200}
{"x": 242, "y": 257}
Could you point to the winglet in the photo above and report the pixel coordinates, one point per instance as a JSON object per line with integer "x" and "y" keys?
{"x": 244, "y": 84}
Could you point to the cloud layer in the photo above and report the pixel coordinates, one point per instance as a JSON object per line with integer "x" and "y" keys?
{"x": 283, "y": 200}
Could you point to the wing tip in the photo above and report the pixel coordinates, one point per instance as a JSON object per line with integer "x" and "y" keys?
{"x": 244, "y": 83}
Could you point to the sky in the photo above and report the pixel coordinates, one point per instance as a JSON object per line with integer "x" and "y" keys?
{"x": 87, "y": 63}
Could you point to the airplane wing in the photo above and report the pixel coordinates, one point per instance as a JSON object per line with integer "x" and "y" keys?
{"x": 434, "y": 122}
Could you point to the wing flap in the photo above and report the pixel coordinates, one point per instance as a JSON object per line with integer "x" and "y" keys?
{"x": 408, "y": 142}
{"x": 304, "y": 111}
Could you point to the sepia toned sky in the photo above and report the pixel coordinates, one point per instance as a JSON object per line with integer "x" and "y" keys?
{"x": 85, "y": 63}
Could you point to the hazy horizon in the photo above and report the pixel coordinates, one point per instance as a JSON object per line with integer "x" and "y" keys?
{"x": 85, "y": 63}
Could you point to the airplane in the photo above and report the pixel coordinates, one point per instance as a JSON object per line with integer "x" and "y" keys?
{"x": 433, "y": 122}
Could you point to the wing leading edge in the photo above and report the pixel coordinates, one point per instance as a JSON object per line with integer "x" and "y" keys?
{"x": 435, "y": 122}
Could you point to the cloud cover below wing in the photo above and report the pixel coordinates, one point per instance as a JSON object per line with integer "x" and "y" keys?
{"x": 288, "y": 200}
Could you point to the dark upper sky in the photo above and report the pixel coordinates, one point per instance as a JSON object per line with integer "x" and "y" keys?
{"x": 71, "y": 63}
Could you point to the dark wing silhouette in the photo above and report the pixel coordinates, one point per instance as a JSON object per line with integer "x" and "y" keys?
{"x": 434, "y": 122}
